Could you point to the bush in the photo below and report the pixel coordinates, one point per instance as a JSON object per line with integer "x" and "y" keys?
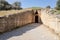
{"x": 48, "y": 7}
{"x": 58, "y": 5}
{"x": 4, "y": 5}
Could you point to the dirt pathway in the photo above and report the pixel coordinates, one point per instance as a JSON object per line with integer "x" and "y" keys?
{"x": 30, "y": 32}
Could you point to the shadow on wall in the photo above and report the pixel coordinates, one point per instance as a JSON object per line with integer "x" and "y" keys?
{"x": 19, "y": 31}
{"x": 37, "y": 17}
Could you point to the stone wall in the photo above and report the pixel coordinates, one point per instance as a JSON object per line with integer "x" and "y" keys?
{"x": 19, "y": 19}
{"x": 39, "y": 16}
{"x": 50, "y": 20}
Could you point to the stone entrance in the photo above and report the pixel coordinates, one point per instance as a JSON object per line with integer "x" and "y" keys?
{"x": 36, "y": 17}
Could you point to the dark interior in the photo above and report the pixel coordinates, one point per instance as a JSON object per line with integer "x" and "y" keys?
{"x": 36, "y": 19}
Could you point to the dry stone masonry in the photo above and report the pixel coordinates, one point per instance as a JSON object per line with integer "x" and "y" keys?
{"x": 51, "y": 21}
{"x": 18, "y": 19}
{"x": 14, "y": 20}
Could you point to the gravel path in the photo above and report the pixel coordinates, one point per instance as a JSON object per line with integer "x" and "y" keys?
{"x": 30, "y": 32}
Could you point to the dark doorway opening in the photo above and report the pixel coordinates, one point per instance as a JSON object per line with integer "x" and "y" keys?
{"x": 36, "y": 19}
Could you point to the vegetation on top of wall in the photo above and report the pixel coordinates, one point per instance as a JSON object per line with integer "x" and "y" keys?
{"x": 48, "y": 6}
{"x": 58, "y": 5}
{"x": 35, "y": 8}
{"x": 58, "y": 12}
{"x": 53, "y": 11}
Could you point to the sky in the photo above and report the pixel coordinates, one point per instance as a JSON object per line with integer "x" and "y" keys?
{"x": 35, "y": 3}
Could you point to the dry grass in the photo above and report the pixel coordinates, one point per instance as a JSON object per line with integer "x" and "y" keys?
{"x": 9, "y": 12}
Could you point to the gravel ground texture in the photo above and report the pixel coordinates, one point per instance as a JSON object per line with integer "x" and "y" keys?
{"x": 33, "y": 31}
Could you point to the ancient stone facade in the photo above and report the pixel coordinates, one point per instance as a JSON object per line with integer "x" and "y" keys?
{"x": 19, "y": 19}
{"x": 51, "y": 21}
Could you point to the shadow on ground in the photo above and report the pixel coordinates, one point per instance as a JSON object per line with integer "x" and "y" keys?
{"x": 19, "y": 31}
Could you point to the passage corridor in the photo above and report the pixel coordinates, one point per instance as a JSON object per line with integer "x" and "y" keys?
{"x": 33, "y": 31}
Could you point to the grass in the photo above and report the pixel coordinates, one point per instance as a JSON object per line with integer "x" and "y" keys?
{"x": 57, "y": 12}
{"x": 4, "y": 13}
{"x": 9, "y": 12}
{"x": 35, "y": 8}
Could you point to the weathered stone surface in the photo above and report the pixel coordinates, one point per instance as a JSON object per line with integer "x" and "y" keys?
{"x": 50, "y": 20}
{"x": 12, "y": 21}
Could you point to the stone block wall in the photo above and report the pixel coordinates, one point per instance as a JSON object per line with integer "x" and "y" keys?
{"x": 10, "y": 22}
{"x": 50, "y": 20}
{"x": 39, "y": 16}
